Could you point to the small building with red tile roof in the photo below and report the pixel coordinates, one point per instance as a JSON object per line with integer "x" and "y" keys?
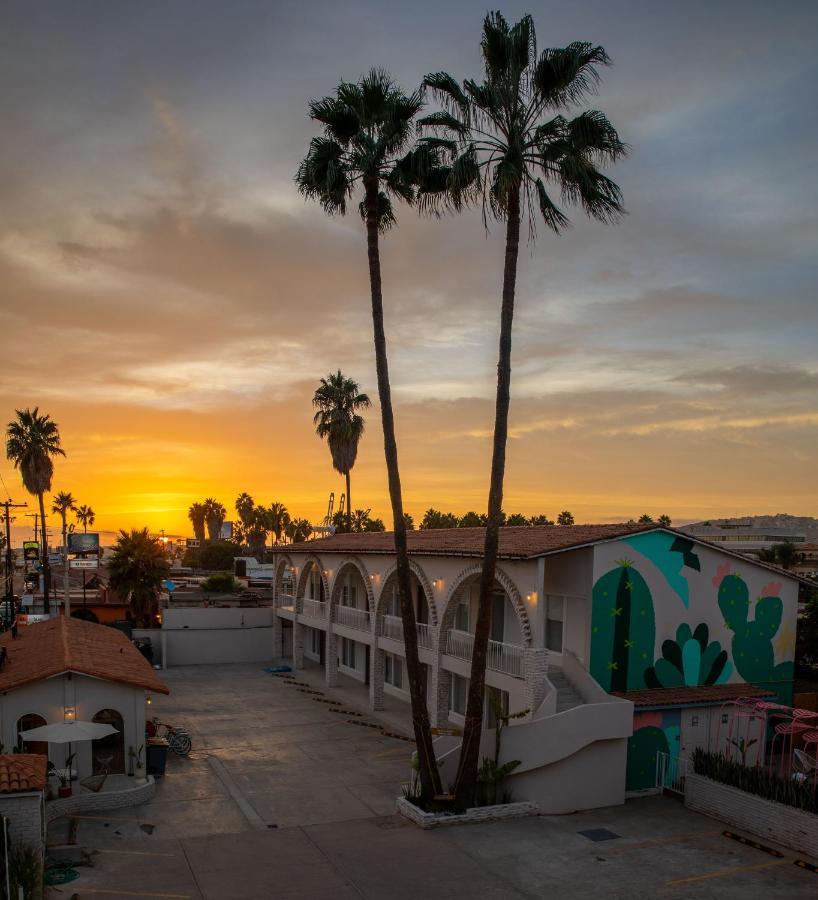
{"x": 65, "y": 669}
{"x": 23, "y": 778}
{"x": 590, "y": 624}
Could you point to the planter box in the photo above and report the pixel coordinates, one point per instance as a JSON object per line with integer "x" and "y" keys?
{"x": 767, "y": 819}
{"x": 473, "y": 816}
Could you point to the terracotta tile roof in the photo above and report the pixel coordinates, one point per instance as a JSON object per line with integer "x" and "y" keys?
{"x": 22, "y": 772}
{"x": 59, "y": 645}
{"x": 694, "y": 696}
{"x": 516, "y": 542}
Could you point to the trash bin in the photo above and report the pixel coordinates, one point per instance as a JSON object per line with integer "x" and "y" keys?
{"x": 156, "y": 756}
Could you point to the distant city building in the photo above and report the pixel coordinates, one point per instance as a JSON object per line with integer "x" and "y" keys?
{"x": 742, "y": 536}
{"x": 807, "y": 560}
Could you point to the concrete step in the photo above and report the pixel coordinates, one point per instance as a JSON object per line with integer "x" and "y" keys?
{"x": 567, "y": 696}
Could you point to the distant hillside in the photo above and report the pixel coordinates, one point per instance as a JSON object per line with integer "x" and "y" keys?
{"x": 803, "y": 524}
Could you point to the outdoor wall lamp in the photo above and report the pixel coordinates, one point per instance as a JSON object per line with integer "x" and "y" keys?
{"x": 70, "y": 713}
{"x": 532, "y": 597}
{"x": 149, "y": 699}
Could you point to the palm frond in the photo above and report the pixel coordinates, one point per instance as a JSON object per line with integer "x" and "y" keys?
{"x": 593, "y": 135}
{"x": 448, "y": 92}
{"x": 564, "y": 75}
{"x": 323, "y": 175}
{"x": 385, "y": 212}
{"x": 553, "y": 217}
{"x": 445, "y": 122}
{"x": 339, "y": 119}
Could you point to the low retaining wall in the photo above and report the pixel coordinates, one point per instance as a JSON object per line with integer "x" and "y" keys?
{"x": 473, "y": 816}
{"x": 776, "y": 822}
{"x": 88, "y": 801}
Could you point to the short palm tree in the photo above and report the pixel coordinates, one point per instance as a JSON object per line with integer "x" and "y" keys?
{"x": 279, "y": 519}
{"x": 32, "y": 442}
{"x": 196, "y": 514}
{"x": 85, "y": 516}
{"x": 215, "y": 514}
{"x": 299, "y": 530}
{"x": 368, "y": 128}
{"x": 337, "y": 402}
{"x": 509, "y": 144}
{"x": 136, "y": 569}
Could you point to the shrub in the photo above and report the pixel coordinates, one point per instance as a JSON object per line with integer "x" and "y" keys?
{"x": 758, "y": 781}
{"x": 221, "y": 583}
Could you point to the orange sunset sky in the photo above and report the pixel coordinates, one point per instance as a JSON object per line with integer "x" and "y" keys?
{"x": 171, "y": 301}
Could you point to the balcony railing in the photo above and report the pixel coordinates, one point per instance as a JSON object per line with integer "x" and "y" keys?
{"x": 284, "y": 600}
{"x": 424, "y": 636}
{"x": 315, "y": 608}
{"x": 506, "y": 658}
{"x": 352, "y": 617}
{"x": 459, "y": 643}
{"x": 393, "y": 627}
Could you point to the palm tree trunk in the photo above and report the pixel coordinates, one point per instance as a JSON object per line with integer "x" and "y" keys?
{"x": 46, "y": 567}
{"x": 470, "y": 748}
{"x": 429, "y": 775}
{"x": 349, "y": 504}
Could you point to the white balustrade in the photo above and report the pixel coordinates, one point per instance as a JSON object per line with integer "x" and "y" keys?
{"x": 459, "y": 643}
{"x": 352, "y": 617}
{"x": 500, "y": 657}
{"x": 506, "y": 658}
{"x": 424, "y": 636}
{"x": 393, "y": 627}
{"x": 315, "y": 608}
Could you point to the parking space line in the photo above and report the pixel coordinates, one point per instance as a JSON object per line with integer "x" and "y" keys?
{"x": 134, "y": 852}
{"x": 721, "y": 872}
{"x": 114, "y": 893}
{"x": 658, "y": 841}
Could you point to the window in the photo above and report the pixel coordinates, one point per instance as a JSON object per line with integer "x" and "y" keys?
{"x": 393, "y": 670}
{"x": 315, "y": 641}
{"x": 498, "y": 616}
{"x": 458, "y": 694}
{"x": 554, "y": 617}
{"x": 348, "y": 653}
{"x": 393, "y": 606}
{"x": 349, "y": 592}
{"x": 461, "y": 616}
{"x": 26, "y": 723}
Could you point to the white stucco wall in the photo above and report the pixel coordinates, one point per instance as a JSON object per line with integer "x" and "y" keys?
{"x": 207, "y": 636}
{"x": 88, "y": 695}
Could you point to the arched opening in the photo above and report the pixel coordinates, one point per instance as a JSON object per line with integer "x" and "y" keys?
{"x": 108, "y": 753}
{"x": 314, "y": 585}
{"x": 26, "y": 723}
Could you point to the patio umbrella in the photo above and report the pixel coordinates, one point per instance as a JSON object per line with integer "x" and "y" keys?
{"x": 68, "y": 732}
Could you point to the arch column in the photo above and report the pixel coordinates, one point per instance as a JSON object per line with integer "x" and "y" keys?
{"x": 441, "y": 685}
{"x": 331, "y": 657}
{"x": 376, "y": 676}
{"x": 298, "y": 643}
{"x": 278, "y": 634}
{"x": 535, "y": 668}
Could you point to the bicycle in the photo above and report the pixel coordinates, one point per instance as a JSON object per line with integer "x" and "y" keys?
{"x": 178, "y": 739}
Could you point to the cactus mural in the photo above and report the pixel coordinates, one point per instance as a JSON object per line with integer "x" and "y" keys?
{"x": 690, "y": 660}
{"x": 623, "y": 629}
{"x": 752, "y": 647}
{"x": 643, "y": 745}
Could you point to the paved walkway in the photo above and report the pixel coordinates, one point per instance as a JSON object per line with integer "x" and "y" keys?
{"x": 284, "y": 798}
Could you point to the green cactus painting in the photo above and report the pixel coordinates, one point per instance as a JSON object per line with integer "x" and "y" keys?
{"x": 623, "y": 629}
{"x": 752, "y": 646}
{"x": 690, "y": 660}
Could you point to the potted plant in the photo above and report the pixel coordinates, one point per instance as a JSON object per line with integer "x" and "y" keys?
{"x": 64, "y": 775}
{"x": 140, "y": 770}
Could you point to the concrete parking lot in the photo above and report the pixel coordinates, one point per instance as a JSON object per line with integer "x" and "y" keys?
{"x": 283, "y": 797}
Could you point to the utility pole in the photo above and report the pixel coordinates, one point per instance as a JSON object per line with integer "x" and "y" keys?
{"x": 8, "y": 505}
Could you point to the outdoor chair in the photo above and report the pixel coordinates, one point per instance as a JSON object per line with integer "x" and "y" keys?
{"x": 805, "y": 766}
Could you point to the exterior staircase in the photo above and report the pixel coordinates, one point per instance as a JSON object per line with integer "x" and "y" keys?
{"x": 567, "y": 697}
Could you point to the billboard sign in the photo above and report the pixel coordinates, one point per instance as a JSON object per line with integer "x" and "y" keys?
{"x": 226, "y": 531}
{"x": 82, "y": 563}
{"x": 31, "y": 551}
{"x": 192, "y": 542}
{"x": 83, "y": 542}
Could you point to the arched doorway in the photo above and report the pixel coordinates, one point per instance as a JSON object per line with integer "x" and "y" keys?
{"x": 26, "y": 723}
{"x": 108, "y": 753}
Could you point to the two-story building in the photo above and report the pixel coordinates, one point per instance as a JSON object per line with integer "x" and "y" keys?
{"x": 619, "y": 641}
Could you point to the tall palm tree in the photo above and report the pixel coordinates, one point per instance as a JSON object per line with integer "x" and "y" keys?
{"x": 244, "y": 508}
{"x": 85, "y": 516}
{"x": 196, "y": 514}
{"x": 367, "y": 126}
{"x": 32, "y": 442}
{"x": 337, "y": 402}
{"x": 279, "y": 519}
{"x": 136, "y": 569}
{"x": 258, "y": 530}
{"x": 507, "y": 140}
{"x": 62, "y": 503}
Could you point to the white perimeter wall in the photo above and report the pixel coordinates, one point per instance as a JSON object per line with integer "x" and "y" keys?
{"x": 211, "y": 635}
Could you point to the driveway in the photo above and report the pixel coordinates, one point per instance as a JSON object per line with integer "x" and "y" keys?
{"x": 283, "y": 797}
